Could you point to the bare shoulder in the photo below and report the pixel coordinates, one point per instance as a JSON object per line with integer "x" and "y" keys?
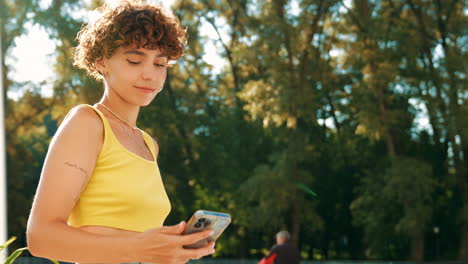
{"x": 81, "y": 124}
{"x": 83, "y": 115}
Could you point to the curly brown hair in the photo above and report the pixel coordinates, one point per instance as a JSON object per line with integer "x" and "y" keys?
{"x": 129, "y": 23}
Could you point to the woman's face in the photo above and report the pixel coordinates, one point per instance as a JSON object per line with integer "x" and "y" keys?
{"x": 134, "y": 75}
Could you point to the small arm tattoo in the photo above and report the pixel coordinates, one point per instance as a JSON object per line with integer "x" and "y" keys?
{"x": 76, "y": 167}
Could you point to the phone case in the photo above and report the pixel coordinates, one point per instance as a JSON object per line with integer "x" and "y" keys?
{"x": 202, "y": 220}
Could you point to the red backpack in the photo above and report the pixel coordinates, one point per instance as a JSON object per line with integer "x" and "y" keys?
{"x": 268, "y": 260}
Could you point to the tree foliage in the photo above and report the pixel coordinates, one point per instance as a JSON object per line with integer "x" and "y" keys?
{"x": 313, "y": 97}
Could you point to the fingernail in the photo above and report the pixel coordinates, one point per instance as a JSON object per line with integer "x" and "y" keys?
{"x": 211, "y": 233}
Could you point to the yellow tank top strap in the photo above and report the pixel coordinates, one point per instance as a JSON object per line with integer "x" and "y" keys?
{"x": 149, "y": 142}
{"x": 108, "y": 135}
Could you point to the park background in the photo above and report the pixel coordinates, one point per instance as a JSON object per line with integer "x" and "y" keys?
{"x": 344, "y": 122}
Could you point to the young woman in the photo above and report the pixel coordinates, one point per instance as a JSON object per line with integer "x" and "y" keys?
{"x": 100, "y": 197}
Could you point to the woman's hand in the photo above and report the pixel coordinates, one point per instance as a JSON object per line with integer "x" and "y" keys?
{"x": 164, "y": 245}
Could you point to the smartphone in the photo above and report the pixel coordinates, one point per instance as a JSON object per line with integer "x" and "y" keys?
{"x": 202, "y": 220}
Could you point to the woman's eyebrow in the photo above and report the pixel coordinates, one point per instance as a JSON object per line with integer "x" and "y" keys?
{"x": 137, "y": 52}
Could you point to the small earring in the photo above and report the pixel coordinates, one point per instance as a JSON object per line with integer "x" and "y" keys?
{"x": 161, "y": 88}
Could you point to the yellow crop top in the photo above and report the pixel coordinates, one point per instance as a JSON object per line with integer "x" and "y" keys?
{"x": 125, "y": 190}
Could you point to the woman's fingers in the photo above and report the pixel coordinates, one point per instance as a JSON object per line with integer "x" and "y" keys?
{"x": 195, "y": 237}
{"x": 199, "y": 253}
{"x": 164, "y": 245}
{"x": 172, "y": 230}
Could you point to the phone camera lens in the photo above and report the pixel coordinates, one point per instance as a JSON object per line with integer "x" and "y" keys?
{"x": 207, "y": 223}
{"x": 197, "y": 225}
{"x": 202, "y": 220}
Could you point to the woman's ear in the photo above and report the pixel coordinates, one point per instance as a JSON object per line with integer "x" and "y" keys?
{"x": 100, "y": 66}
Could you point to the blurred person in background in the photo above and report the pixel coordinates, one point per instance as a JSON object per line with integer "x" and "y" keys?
{"x": 284, "y": 251}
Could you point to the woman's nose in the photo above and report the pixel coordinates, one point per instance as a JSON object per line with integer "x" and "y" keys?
{"x": 149, "y": 72}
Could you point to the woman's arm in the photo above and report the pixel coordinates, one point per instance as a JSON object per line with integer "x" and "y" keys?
{"x": 160, "y": 245}
{"x": 68, "y": 165}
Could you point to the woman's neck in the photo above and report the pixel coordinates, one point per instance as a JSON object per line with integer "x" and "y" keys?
{"x": 123, "y": 109}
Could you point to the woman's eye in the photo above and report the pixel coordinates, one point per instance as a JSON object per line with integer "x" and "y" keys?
{"x": 133, "y": 62}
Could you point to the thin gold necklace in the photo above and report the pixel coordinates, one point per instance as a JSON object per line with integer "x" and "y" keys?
{"x": 116, "y": 115}
{"x": 144, "y": 149}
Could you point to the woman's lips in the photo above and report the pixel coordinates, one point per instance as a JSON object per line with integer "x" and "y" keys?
{"x": 145, "y": 89}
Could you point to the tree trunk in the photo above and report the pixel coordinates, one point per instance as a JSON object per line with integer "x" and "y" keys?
{"x": 463, "y": 250}
{"x": 384, "y": 113}
{"x": 417, "y": 247}
{"x": 296, "y": 221}
{"x": 242, "y": 247}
